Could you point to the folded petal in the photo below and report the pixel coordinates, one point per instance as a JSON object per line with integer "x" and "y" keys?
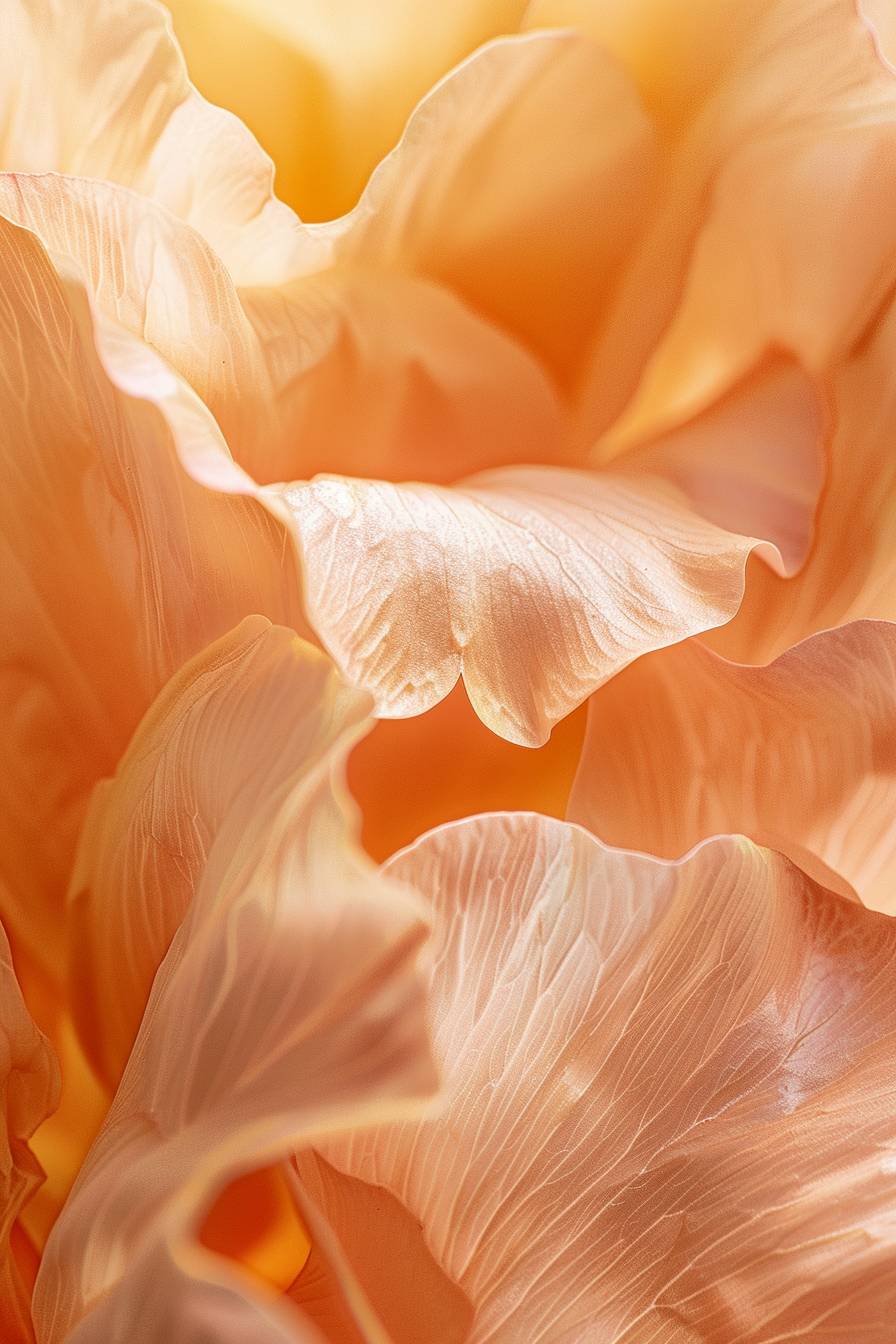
{"x": 538, "y": 584}
{"x": 799, "y": 755}
{"x": 780, "y": 129}
{"x": 851, "y": 572}
{"x": 326, "y": 88}
{"x": 289, "y": 1001}
{"x": 455, "y": 201}
{"x": 99, "y": 89}
{"x": 668, "y": 1094}
{"x": 29, "y": 1090}
{"x": 118, "y": 566}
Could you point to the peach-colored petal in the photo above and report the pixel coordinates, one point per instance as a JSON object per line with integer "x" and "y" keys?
{"x": 668, "y": 1094}
{"x": 538, "y": 584}
{"x": 29, "y": 1090}
{"x": 117, "y": 565}
{"x": 328, "y": 87}
{"x": 391, "y": 375}
{"x": 799, "y": 755}
{"x": 780, "y": 123}
{"x": 237, "y": 725}
{"x": 851, "y": 572}
{"x": 99, "y": 89}
{"x": 457, "y": 199}
{"x": 289, "y": 1001}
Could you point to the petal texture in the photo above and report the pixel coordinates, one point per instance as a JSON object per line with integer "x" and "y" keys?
{"x": 289, "y": 1001}
{"x": 799, "y": 755}
{"x": 118, "y": 565}
{"x": 668, "y": 1111}
{"x": 539, "y": 584}
{"x": 100, "y": 90}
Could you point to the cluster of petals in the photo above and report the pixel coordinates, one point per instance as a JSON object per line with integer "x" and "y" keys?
{"x": 569, "y": 379}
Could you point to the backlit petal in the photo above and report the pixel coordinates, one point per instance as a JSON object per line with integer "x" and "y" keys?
{"x": 289, "y": 1001}
{"x": 117, "y": 565}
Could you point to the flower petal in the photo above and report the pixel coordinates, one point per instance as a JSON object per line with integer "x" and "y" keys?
{"x": 799, "y": 755}
{"x": 668, "y": 1093}
{"x": 100, "y": 90}
{"x": 780, "y": 125}
{"x": 29, "y": 1088}
{"x": 118, "y": 566}
{"x": 851, "y": 573}
{"x": 455, "y": 200}
{"x": 289, "y": 1001}
{"x": 539, "y": 584}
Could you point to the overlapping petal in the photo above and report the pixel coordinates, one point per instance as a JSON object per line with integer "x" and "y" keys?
{"x": 668, "y": 1108}
{"x": 289, "y": 1001}
{"x": 800, "y": 755}
{"x": 100, "y": 90}
{"x": 786, "y": 117}
{"x": 117, "y": 564}
{"x": 29, "y": 1090}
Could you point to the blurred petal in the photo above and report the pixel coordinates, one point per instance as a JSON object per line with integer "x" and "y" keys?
{"x": 99, "y": 89}
{"x": 289, "y": 1001}
{"x": 780, "y": 126}
{"x": 29, "y": 1089}
{"x": 539, "y": 584}
{"x": 391, "y": 375}
{"x": 455, "y": 201}
{"x": 118, "y": 566}
{"x": 800, "y": 756}
{"x": 851, "y": 572}
{"x": 668, "y": 1109}
{"x": 327, "y": 88}
{"x": 450, "y": 765}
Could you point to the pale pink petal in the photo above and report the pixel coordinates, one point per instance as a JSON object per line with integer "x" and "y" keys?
{"x": 289, "y": 1001}
{"x": 773, "y": 230}
{"x": 99, "y": 89}
{"x": 538, "y": 584}
{"x": 668, "y": 1094}
{"x": 799, "y": 755}
{"x": 117, "y": 565}
{"x": 29, "y": 1091}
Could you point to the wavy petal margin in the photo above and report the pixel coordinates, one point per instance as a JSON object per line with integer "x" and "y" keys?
{"x": 668, "y": 1095}
{"x": 290, "y": 1002}
{"x": 799, "y": 755}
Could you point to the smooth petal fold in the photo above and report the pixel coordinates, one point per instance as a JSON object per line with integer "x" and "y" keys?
{"x": 668, "y": 1094}
{"x": 799, "y": 755}
{"x": 851, "y": 572}
{"x": 289, "y": 1001}
{"x": 539, "y": 584}
{"x": 780, "y": 130}
{"x": 29, "y": 1091}
{"x": 455, "y": 200}
{"x": 100, "y": 90}
{"x": 118, "y": 566}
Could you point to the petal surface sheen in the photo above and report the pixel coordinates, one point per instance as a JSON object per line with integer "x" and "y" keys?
{"x": 668, "y": 1094}
{"x": 99, "y": 89}
{"x": 29, "y": 1091}
{"x": 288, "y": 1003}
{"x": 799, "y": 755}
{"x": 539, "y": 584}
